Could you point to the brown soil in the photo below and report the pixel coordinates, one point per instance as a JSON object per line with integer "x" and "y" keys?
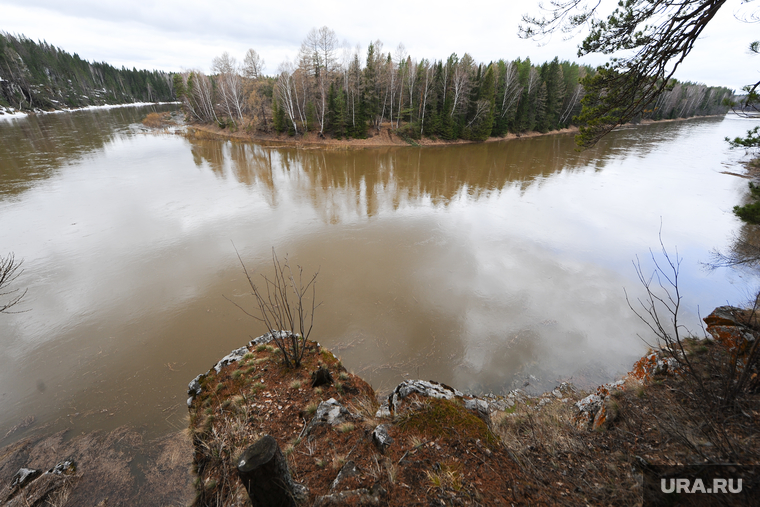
{"x": 534, "y": 453}
{"x": 386, "y": 137}
{"x": 462, "y": 464}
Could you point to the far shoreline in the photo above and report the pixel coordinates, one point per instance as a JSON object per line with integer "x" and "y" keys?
{"x": 383, "y": 139}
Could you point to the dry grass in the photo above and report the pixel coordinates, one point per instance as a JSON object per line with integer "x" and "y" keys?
{"x": 154, "y": 120}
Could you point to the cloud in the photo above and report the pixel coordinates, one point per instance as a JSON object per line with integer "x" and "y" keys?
{"x": 177, "y": 34}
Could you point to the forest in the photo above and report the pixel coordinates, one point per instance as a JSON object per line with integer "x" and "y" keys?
{"x": 341, "y": 92}
{"x": 336, "y": 91}
{"x": 40, "y": 76}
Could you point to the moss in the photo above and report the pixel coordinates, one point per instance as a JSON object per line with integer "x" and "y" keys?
{"x": 448, "y": 419}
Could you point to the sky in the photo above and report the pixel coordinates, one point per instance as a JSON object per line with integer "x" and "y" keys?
{"x": 175, "y": 35}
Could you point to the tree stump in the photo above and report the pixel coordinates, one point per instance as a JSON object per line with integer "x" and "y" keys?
{"x": 265, "y": 475}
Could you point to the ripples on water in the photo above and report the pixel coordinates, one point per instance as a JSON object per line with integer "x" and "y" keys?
{"x": 483, "y": 266}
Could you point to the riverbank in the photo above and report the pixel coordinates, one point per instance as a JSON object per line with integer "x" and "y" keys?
{"x": 424, "y": 443}
{"x": 428, "y": 444}
{"x": 384, "y": 138}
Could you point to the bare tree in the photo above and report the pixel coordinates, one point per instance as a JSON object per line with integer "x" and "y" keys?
{"x": 10, "y": 269}
{"x": 284, "y": 307}
{"x": 198, "y": 98}
{"x": 253, "y": 65}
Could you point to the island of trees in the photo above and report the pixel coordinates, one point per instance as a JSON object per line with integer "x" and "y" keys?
{"x": 348, "y": 93}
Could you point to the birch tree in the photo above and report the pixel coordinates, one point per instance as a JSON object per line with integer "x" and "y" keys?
{"x": 318, "y": 52}
{"x": 401, "y": 59}
{"x": 230, "y": 85}
{"x": 287, "y": 93}
{"x": 427, "y": 71}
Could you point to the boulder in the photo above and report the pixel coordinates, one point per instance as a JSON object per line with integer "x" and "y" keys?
{"x": 381, "y": 438}
{"x": 330, "y": 413}
{"x": 431, "y": 389}
{"x": 587, "y": 409}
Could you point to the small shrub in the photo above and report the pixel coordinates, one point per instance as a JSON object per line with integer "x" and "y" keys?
{"x": 153, "y": 120}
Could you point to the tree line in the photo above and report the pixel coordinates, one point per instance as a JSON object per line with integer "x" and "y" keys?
{"x": 343, "y": 92}
{"x": 38, "y": 75}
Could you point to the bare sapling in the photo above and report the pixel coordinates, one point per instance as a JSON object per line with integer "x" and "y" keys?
{"x": 286, "y": 304}
{"x": 10, "y": 269}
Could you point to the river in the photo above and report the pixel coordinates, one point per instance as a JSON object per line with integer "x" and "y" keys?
{"x": 485, "y": 266}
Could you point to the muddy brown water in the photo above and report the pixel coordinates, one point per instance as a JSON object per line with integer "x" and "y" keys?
{"x": 487, "y": 266}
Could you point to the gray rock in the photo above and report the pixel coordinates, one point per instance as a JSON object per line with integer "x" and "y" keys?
{"x": 194, "y": 387}
{"x": 232, "y": 357}
{"x": 23, "y": 477}
{"x": 266, "y": 338}
{"x": 383, "y": 412}
{"x": 587, "y": 409}
{"x": 422, "y": 387}
{"x": 381, "y": 438}
{"x": 480, "y": 407}
{"x": 347, "y": 470}
{"x": 329, "y": 412}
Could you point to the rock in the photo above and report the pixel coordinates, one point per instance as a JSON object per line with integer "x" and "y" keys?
{"x": 606, "y": 415}
{"x": 422, "y": 387}
{"x": 724, "y": 316}
{"x": 31, "y": 487}
{"x": 194, "y": 388}
{"x": 23, "y": 477}
{"x": 232, "y": 357}
{"x": 38, "y": 490}
{"x": 480, "y": 407}
{"x": 347, "y": 470}
{"x": 329, "y": 412}
{"x": 654, "y": 363}
{"x": 381, "y": 438}
{"x": 587, "y": 409}
{"x": 383, "y": 412}
{"x": 373, "y": 496}
{"x": 264, "y": 339}
{"x": 432, "y": 389}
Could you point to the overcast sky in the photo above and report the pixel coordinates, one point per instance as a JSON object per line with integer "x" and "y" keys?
{"x": 181, "y": 34}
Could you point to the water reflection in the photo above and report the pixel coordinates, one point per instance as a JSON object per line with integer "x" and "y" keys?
{"x": 483, "y": 266}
